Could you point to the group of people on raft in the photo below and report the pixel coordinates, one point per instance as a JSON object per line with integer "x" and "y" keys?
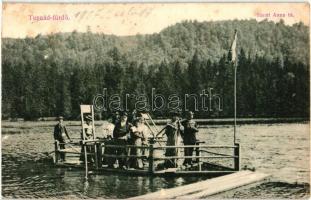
{"x": 133, "y": 132}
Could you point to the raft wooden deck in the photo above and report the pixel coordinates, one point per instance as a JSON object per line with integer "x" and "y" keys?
{"x": 209, "y": 187}
{"x": 209, "y": 170}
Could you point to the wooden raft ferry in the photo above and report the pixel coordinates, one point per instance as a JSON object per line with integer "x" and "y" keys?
{"x": 209, "y": 160}
{"x": 153, "y": 161}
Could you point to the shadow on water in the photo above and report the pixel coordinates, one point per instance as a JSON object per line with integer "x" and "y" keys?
{"x": 36, "y": 177}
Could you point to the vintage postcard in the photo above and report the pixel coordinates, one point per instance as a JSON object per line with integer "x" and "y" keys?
{"x": 155, "y": 100}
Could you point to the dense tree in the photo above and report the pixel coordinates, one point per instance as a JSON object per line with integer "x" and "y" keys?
{"x": 54, "y": 74}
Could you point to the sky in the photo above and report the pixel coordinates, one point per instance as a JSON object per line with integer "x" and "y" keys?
{"x": 27, "y": 19}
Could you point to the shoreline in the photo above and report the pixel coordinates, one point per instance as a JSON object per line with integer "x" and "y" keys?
{"x": 230, "y": 121}
{"x": 200, "y": 122}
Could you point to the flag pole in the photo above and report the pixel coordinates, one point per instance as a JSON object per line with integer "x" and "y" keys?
{"x": 234, "y": 59}
{"x": 235, "y": 70}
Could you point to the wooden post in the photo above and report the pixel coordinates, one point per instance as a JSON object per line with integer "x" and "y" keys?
{"x": 237, "y": 159}
{"x": 99, "y": 155}
{"x": 56, "y": 144}
{"x": 94, "y": 136}
{"x": 85, "y": 159}
{"x": 151, "y": 164}
{"x": 95, "y": 153}
{"x": 198, "y": 152}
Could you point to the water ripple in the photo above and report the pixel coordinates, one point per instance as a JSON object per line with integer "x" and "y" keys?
{"x": 281, "y": 150}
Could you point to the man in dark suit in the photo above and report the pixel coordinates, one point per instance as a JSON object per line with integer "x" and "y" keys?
{"x": 189, "y": 136}
{"x": 121, "y": 135}
{"x": 60, "y": 133}
{"x": 173, "y": 132}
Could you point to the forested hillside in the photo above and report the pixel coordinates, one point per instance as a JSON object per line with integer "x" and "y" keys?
{"x": 54, "y": 74}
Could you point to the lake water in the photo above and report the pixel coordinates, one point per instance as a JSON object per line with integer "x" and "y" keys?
{"x": 278, "y": 149}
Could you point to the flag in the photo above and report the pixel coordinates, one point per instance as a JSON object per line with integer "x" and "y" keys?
{"x": 86, "y": 108}
{"x": 233, "y": 48}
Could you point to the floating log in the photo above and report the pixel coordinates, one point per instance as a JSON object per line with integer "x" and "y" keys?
{"x": 207, "y": 187}
{"x": 252, "y": 178}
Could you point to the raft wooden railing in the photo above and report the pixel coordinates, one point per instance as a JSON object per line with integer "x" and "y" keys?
{"x": 73, "y": 149}
{"x": 151, "y": 157}
{"x": 69, "y": 148}
{"x": 199, "y": 149}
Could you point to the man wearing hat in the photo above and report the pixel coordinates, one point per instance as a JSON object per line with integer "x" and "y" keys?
{"x": 116, "y": 117}
{"x": 173, "y": 133}
{"x": 189, "y": 136}
{"x": 138, "y": 138}
{"x": 121, "y": 135}
{"x": 60, "y": 133}
{"x": 88, "y": 130}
